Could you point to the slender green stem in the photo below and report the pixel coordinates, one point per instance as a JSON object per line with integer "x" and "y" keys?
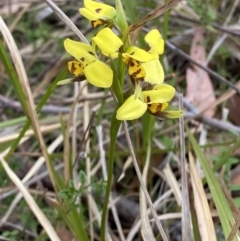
{"x": 114, "y": 130}
{"x": 165, "y": 28}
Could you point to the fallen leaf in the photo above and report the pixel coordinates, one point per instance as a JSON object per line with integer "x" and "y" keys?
{"x": 199, "y": 86}
{"x": 234, "y": 112}
{"x": 203, "y": 213}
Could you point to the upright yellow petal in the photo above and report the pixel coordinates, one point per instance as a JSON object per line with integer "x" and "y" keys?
{"x": 99, "y": 74}
{"x": 101, "y": 10}
{"x": 154, "y": 72}
{"x": 139, "y": 54}
{"x": 155, "y": 41}
{"x": 160, "y": 94}
{"x": 90, "y": 15}
{"x": 131, "y": 109}
{"x": 107, "y": 41}
{"x": 84, "y": 53}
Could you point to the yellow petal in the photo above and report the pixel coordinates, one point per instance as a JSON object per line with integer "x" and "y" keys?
{"x": 88, "y": 14}
{"x": 107, "y": 41}
{"x": 131, "y": 109}
{"x": 160, "y": 94}
{"x": 169, "y": 114}
{"x": 157, "y": 108}
{"x": 101, "y": 10}
{"x": 155, "y": 41}
{"x": 139, "y": 54}
{"x": 154, "y": 72}
{"x": 172, "y": 114}
{"x": 99, "y": 74}
{"x": 135, "y": 70}
{"x": 84, "y": 53}
{"x": 76, "y": 68}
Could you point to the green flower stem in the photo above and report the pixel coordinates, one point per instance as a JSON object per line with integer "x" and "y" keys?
{"x": 115, "y": 124}
{"x": 165, "y": 30}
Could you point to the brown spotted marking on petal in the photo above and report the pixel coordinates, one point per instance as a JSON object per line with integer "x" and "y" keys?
{"x": 90, "y": 52}
{"x": 159, "y": 108}
{"x": 148, "y": 99}
{"x": 131, "y": 63}
{"x": 79, "y": 78}
{"x": 135, "y": 74}
{"x": 98, "y": 10}
{"x": 155, "y": 108}
{"x": 73, "y": 69}
{"x": 82, "y": 59}
{"x": 76, "y": 68}
{"x": 135, "y": 69}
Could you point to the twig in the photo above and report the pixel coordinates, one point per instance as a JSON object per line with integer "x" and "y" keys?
{"x": 195, "y": 114}
{"x": 66, "y": 20}
{"x": 186, "y": 219}
{"x": 31, "y": 181}
{"x": 30, "y": 201}
{"x": 149, "y": 201}
{"x": 223, "y": 125}
{"x": 209, "y": 71}
{"x": 8, "y": 102}
{"x": 53, "y": 109}
{"x": 146, "y": 229}
{"x": 225, "y": 29}
{"x": 23, "y": 80}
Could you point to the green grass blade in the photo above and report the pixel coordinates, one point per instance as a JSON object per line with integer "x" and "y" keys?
{"x": 11, "y": 72}
{"x": 147, "y": 123}
{"x": 115, "y": 124}
{"x": 225, "y": 157}
{"x": 39, "y": 107}
{"x": 223, "y": 208}
{"x": 73, "y": 219}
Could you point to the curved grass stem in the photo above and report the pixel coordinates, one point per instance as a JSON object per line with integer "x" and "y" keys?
{"x": 139, "y": 175}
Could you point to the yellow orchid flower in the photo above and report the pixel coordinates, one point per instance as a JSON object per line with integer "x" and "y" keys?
{"x": 108, "y": 42}
{"x": 155, "y": 101}
{"x": 96, "y": 72}
{"x": 98, "y": 13}
{"x": 145, "y": 65}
